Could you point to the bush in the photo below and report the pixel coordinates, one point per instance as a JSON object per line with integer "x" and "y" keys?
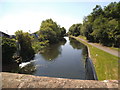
{"x": 8, "y": 49}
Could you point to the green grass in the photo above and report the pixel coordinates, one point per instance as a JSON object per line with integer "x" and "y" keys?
{"x": 83, "y": 37}
{"x": 106, "y": 65}
{"x": 117, "y": 49}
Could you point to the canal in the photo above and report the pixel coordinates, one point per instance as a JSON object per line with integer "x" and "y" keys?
{"x": 66, "y": 59}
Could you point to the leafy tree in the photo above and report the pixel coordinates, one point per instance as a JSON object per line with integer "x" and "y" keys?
{"x": 75, "y": 30}
{"x": 97, "y": 11}
{"x": 63, "y": 31}
{"x": 26, "y": 50}
{"x": 87, "y": 28}
{"x": 8, "y": 50}
{"x": 99, "y": 29}
{"x": 112, "y": 10}
{"x": 113, "y": 32}
{"x": 49, "y": 30}
{"x": 102, "y": 25}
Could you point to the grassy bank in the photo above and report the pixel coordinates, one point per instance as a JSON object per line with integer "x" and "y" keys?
{"x": 106, "y": 65}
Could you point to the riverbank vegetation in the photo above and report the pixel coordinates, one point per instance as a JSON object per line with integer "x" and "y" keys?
{"x": 8, "y": 50}
{"x": 24, "y": 41}
{"x": 49, "y": 33}
{"x": 101, "y": 25}
{"x": 24, "y": 45}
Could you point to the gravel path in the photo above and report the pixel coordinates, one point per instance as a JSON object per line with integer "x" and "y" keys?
{"x": 104, "y": 48}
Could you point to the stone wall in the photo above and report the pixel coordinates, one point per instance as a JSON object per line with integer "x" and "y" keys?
{"x": 13, "y": 80}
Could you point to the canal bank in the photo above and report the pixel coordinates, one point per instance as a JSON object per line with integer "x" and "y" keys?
{"x": 106, "y": 65}
{"x": 89, "y": 66}
{"x": 13, "y": 80}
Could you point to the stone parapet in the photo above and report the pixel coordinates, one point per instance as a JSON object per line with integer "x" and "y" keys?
{"x": 14, "y": 80}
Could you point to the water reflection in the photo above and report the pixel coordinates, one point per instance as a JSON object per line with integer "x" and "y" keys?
{"x": 77, "y": 45}
{"x": 53, "y": 51}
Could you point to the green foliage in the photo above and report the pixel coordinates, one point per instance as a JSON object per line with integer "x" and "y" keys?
{"x": 63, "y": 31}
{"x": 75, "y": 30}
{"x": 50, "y": 31}
{"x": 8, "y": 49}
{"x": 112, "y": 10}
{"x": 26, "y": 50}
{"x": 102, "y": 25}
{"x": 39, "y": 46}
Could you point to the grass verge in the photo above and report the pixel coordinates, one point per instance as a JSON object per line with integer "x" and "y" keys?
{"x": 106, "y": 65}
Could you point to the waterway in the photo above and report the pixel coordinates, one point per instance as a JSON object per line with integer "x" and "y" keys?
{"x": 65, "y": 59}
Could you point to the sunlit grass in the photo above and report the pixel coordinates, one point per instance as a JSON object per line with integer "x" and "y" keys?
{"x": 106, "y": 65}
{"x": 83, "y": 37}
{"x": 117, "y": 49}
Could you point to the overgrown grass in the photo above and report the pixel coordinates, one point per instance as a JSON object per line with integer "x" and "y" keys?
{"x": 106, "y": 65}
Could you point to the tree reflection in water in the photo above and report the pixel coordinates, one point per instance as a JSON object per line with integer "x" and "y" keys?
{"x": 53, "y": 50}
{"x": 77, "y": 45}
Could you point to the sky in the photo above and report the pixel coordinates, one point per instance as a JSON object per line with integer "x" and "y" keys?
{"x": 27, "y": 15}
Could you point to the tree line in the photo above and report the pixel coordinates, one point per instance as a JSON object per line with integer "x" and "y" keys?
{"x": 23, "y": 47}
{"x": 102, "y": 25}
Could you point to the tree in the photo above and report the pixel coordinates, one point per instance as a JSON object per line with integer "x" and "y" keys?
{"x": 49, "y": 30}
{"x": 112, "y": 10}
{"x": 8, "y": 50}
{"x": 63, "y": 31}
{"x": 97, "y": 11}
{"x": 102, "y": 25}
{"x": 24, "y": 40}
{"x": 113, "y": 31}
{"x": 87, "y": 28}
{"x": 75, "y": 30}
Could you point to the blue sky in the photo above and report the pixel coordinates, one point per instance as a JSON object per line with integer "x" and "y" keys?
{"x": 28, "y": 15}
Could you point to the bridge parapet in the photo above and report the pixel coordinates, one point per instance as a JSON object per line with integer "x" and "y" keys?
{"x": 13, "y": 80}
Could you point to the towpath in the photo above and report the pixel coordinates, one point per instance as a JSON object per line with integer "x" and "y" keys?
{"x": 104, "y": 48}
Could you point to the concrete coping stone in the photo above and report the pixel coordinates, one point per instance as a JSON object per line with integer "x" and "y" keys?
{"x": 14, "y": 80}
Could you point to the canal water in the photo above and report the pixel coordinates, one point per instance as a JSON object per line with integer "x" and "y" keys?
{"x": 65, "y": 59}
